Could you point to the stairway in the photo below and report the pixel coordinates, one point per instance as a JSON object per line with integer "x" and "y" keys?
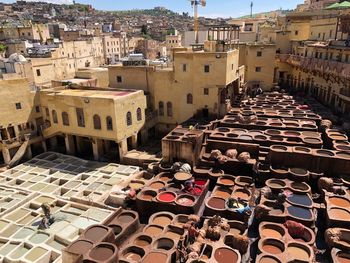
{"x": 20, "y": 153}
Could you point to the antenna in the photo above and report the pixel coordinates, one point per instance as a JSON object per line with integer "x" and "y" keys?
{"x": 195, "y": 4}
{"x": 251, "y": 9}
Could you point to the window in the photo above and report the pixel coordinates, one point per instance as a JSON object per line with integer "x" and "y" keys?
{"x": 169, "y": 108}
{"x": 139, "y": 114}
{"x": 184, "y": 67}
{"x": 206, "y": 68}
{"x": 119, "y": 79}
{"x": 54, "y": 116}
{"x": 38, "y": 73}
{"x": 206, "y": 91}
{"x": 97, "y": 122}
{"x": 80, "y": 117}
{"x": 37, "y": 109}
{"x": 296, "y": 32}
{"x": 259, "y": 53}
{"x": 331, "y": 56}
{"x": 257, "y": 69}
{"x": 161, "y": 108}
{"x": 47, "y": 112}
{"x": 18, "y": 106}
{"x": 189, "y": 98}
{"x": 128, "y": 118}
{"x": 109, "y": 123}
{"x": 346, "y": 60}
{"x": 65, "y": 118}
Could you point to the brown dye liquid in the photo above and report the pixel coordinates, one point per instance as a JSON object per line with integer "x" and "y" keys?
{"x": 343, "y": 259}
{"x": 224, "y": 255}
{"x": 96, "y": 233}
{"x": 226, "y": 181}
{"x": 216, "y": 203}
{"x": 101, "y": 253}
{"x": 147, "y": 197}
{"x": 165, "y": 178}
{"x": 125, "y": 218}
{"x": 222, "y": 194}
{"x": 339, "y": 214}
{"x": 162, "y": 220}
{"x": 132, "y": 256}
{"x": 153, "y": 230}
{"x": 141, "y": 242}
{"x": 276, "y": 185}
{"x": 172, "y": 235}
{"x": 136, "y": 185}
{"x": 272, "y": 249}
{"x": 241, "y": 195}
{"x": 157, "y": 185}
{"x": 268, "y": 232}
{"x": 155, "y": 257}
{"x": 298, "y": 253}
{"x": 80, "y": 247}
{"x": 339, "y": 202}
{"x": 182, "y": 176}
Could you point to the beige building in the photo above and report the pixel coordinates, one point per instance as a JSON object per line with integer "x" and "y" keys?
{"x": 87, "y": 121}
{"x": 197, "y": 85}
{"x": 111, "y": 49}
{"x": 172, "y": 41}
{"x": 29, "y": 31}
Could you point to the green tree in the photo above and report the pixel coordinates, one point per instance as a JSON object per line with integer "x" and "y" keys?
{"x": 144, "y": 30}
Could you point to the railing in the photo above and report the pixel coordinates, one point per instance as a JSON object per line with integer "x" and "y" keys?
{"x": 345, "y": 92}
{"x": 338, "y": 69}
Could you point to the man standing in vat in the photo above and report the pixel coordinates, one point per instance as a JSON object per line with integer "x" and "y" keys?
{"x": 192, "y": 233}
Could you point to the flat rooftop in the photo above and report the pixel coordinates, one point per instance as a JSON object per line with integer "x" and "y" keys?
{"x": 103, "y": 94}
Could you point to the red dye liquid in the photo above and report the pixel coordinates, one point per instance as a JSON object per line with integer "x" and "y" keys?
{"x": 200, "y": 182}
{"x": 166, "y": 197}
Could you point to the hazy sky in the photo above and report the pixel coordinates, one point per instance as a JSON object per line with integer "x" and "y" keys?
{"x": 214, "y": 8}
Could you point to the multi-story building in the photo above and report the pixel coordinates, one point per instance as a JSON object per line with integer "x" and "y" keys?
{"x": 28, "y": 31}
{"x": 173, "y": 41}
{"x": 111, "y": 49}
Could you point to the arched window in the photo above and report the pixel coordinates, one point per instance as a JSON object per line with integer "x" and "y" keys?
{"x": 65, "y": 118}
{"x": 128, "y": 119}
{"x": 109, "y": 123}
{"x": 161, "y": 108}
{"x": 97, "y": 122}
{"x": 139, "y": 114}
{"x": 189, "y": 98}
{"x": 169, "y": 108}
{"x": 54, "y": 116}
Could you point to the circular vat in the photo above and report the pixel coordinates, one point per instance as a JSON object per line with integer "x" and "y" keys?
{"x": 301, "y": 149}
{"x": 180, "y": 220}
{"x": 216, "y": 172}
{"x": 80, "y": 246}
{"x": 219, "y": 134}
{"x": 276, "y": 124}
{"x": 272, "y": 246}
{"x": 260, "y": 123}
{"x": 126, "y": 218}
{"x": 299, "y": 212}
{"x": 155, "y": 256}
{"x": 148, "y": 195}
{"x": 342, "y": 257}
{"x": 276, "y": 138}
{"x": 166, "y": 197}
{"x": 311, "y": 140}
{"x": 241, "y": 193}
{"x": 222, "y": 192}
{"x": 226, "y": 180}
{"x": 232, "y": 135}
{"x": 339, "y": 214}
{"x": 162, "y": 219}
{"x": 271, "y": 230}
{"x": 279, "y": 148}
{"x": 299, "y": 171}
{"x": 153, "y": 230}
{"x": 291, "y": 124}
{"x": 299, "y": 252}
{"x": 136, "y": 184}
{"x": 339, "y": 201}
{"x": 300, "y": 187}
{"x": 133, "y": 253}
{"x": 342, "y": 147}
{"x": 279, "y": 171}
{"x": 222, "y": 129}
{"x": 157, "y": 185}
{"x": 103, "y": 252}
{"x": 95, "y": 233}
{"x": 344, "y": 155}
{"x": 272, "y": 132}
{"x": 143, "y": 241}
{"x": 172, "y": 137}
{"x": 292, "y": 133}
{"x": 216, "y": 203}
{"x": 260, "y": 137}
{"x": 309, "y": 126}
{"x": 245, "y": 137}
{"x": 185, "y": 200}
{"x": 164, "y": 243}
{"x": 263, "y": 258}
{"x": 225, "y": 255}
{"x": 324, "y": 153}
{"x": 182, "y": 176}
{"x": 243, "y": 181}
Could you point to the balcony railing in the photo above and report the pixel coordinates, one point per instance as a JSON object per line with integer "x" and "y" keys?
{"x": 338, "y": 69}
